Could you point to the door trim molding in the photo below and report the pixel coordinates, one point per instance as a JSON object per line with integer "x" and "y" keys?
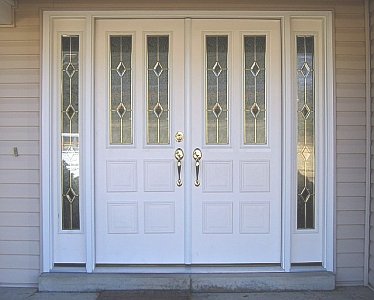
{"x": 87, "y": 143}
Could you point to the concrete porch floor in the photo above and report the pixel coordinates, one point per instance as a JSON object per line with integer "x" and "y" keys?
{"x": 340, "y": 293}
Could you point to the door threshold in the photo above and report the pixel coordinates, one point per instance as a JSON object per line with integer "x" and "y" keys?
{"x": 197, "y": 283}
{"x": 187, "y": 269}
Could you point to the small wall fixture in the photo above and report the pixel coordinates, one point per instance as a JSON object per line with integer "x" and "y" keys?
{"x": 15, "y": 152}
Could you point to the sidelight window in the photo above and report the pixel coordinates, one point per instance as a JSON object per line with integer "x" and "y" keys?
{"x": 70, "y": 132}
{"x": 305, "y": 132}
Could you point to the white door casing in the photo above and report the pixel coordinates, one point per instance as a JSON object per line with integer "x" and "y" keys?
{"x": 83, "y": 24}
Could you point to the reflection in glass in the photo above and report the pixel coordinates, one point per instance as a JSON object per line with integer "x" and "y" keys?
{"x": 70, "y": 132}
{"x": 216, "y": 90}
{"x": 120, "y": 90}
{"x": 255, "y": 96}
{"x": 305, "y": 133}
{"x": 158, "y": 131}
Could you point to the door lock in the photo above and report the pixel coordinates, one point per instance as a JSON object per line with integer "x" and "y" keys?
{"x": 179, "y": 136}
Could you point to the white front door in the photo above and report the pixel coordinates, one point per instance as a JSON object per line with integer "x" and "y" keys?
{"x": 229, "y": 211}
{"x": 236, "y": 100}
{"x": 139, "y": 92}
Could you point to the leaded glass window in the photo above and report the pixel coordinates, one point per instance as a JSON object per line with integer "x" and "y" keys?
{"x": 158, "y": 117}
{"x": 305, "y": 133}
{"x": 121, "y": 112}
{"x": 70, "y": 132}
{"x": 254, "y": 93}
{"x": 216, "y": 103}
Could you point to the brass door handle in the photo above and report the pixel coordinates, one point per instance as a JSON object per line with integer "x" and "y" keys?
{"x": 197, "y": 155}
{"x": 179, "y": 154}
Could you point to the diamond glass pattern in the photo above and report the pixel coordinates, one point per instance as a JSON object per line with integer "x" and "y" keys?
{"x": 121, "y": 69}
{"x": 158, "y": 123}
{"x": 71, "y": 195}
{"x": 158, "y": 110}
{"x": 306, "y": 153}
{"x": 254, "y": 102}
{"x": 70, "y": 111}
{"x": 305, "y": 69}
{"x": 70, "y": 133}
{"x": 120, "y": 106}
{"x": 216, "y": 97}
{"x": 306, "y": 133}
{"x": 217, "y": 110}
{"x": 305, "y": 111}
{"x": 255, "y": 110}
{"x": 305, "y": 194}
{"x": 70, "y": 70}
{"x": 217, "y": 69}
{"x": 121, "y": 110}
{"x": 255, "y": 69}
{"x": 158, "y": 69}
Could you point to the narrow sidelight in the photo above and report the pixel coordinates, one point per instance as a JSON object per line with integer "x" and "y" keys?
{"x": 306, "y": 209}
{"x": 70, "y": 132}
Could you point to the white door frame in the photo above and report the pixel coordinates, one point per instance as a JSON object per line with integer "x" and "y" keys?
{"x": 86, "y": 28}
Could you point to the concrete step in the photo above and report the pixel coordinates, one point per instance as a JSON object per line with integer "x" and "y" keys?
{"x": 197, "y": 283}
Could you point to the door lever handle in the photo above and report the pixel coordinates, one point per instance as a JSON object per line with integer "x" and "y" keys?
{"x": 197, "y": 155}
{"x": 179, "y": 154}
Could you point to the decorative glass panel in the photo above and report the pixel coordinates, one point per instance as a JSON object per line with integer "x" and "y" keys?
{"x": 217, "y": 111}
{"x": 158, "y": 117}
{"x": 255, "y": 131}
{"x": 70, "y": 132}
{"x": 305, "y": 133}
{"x": 121, "y": 114}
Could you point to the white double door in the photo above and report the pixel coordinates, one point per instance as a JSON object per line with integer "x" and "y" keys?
{"x": 218, "y": 83}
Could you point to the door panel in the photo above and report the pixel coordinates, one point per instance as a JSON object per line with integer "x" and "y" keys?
{"x": 235, "y": 201}
{"x": 236, "y": 211}
{"x": 138, "y": 83}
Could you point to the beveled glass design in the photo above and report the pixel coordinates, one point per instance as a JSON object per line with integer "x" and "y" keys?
{"x": 70, "y": 132}
{"x": 255, "y": 113}
{"x": 158, "y": 118}
{"x": 216, "y": 103}
{"x": 121, "y": 112}
{"x": 305, "y": 133}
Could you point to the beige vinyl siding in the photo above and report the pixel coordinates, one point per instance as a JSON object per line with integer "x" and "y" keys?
{"x": 19, "y": 125}
{"x": 19, "y": 176}
{"x": 371, "y": 245}
{"x": 350, "y": 77}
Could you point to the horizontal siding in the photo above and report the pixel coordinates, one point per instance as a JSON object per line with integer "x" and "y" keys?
{"x": 23, "y": 62}
{"x": 351, "y": 104}
{"x": 20, "y": 205}
{"x": 19, "y": 176}
{"x": 351, "y": 203}
{"x": 19, "y": 104}
{"x": 19, "y": 124}
{"x": 14, "y": 219}
{"x": 19, "y": 262}
{"x": 351, "y": 144}
{"x": 22, "y": 162}
{"x": 20, "y": 127}
{"x": 347, "y": 132}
